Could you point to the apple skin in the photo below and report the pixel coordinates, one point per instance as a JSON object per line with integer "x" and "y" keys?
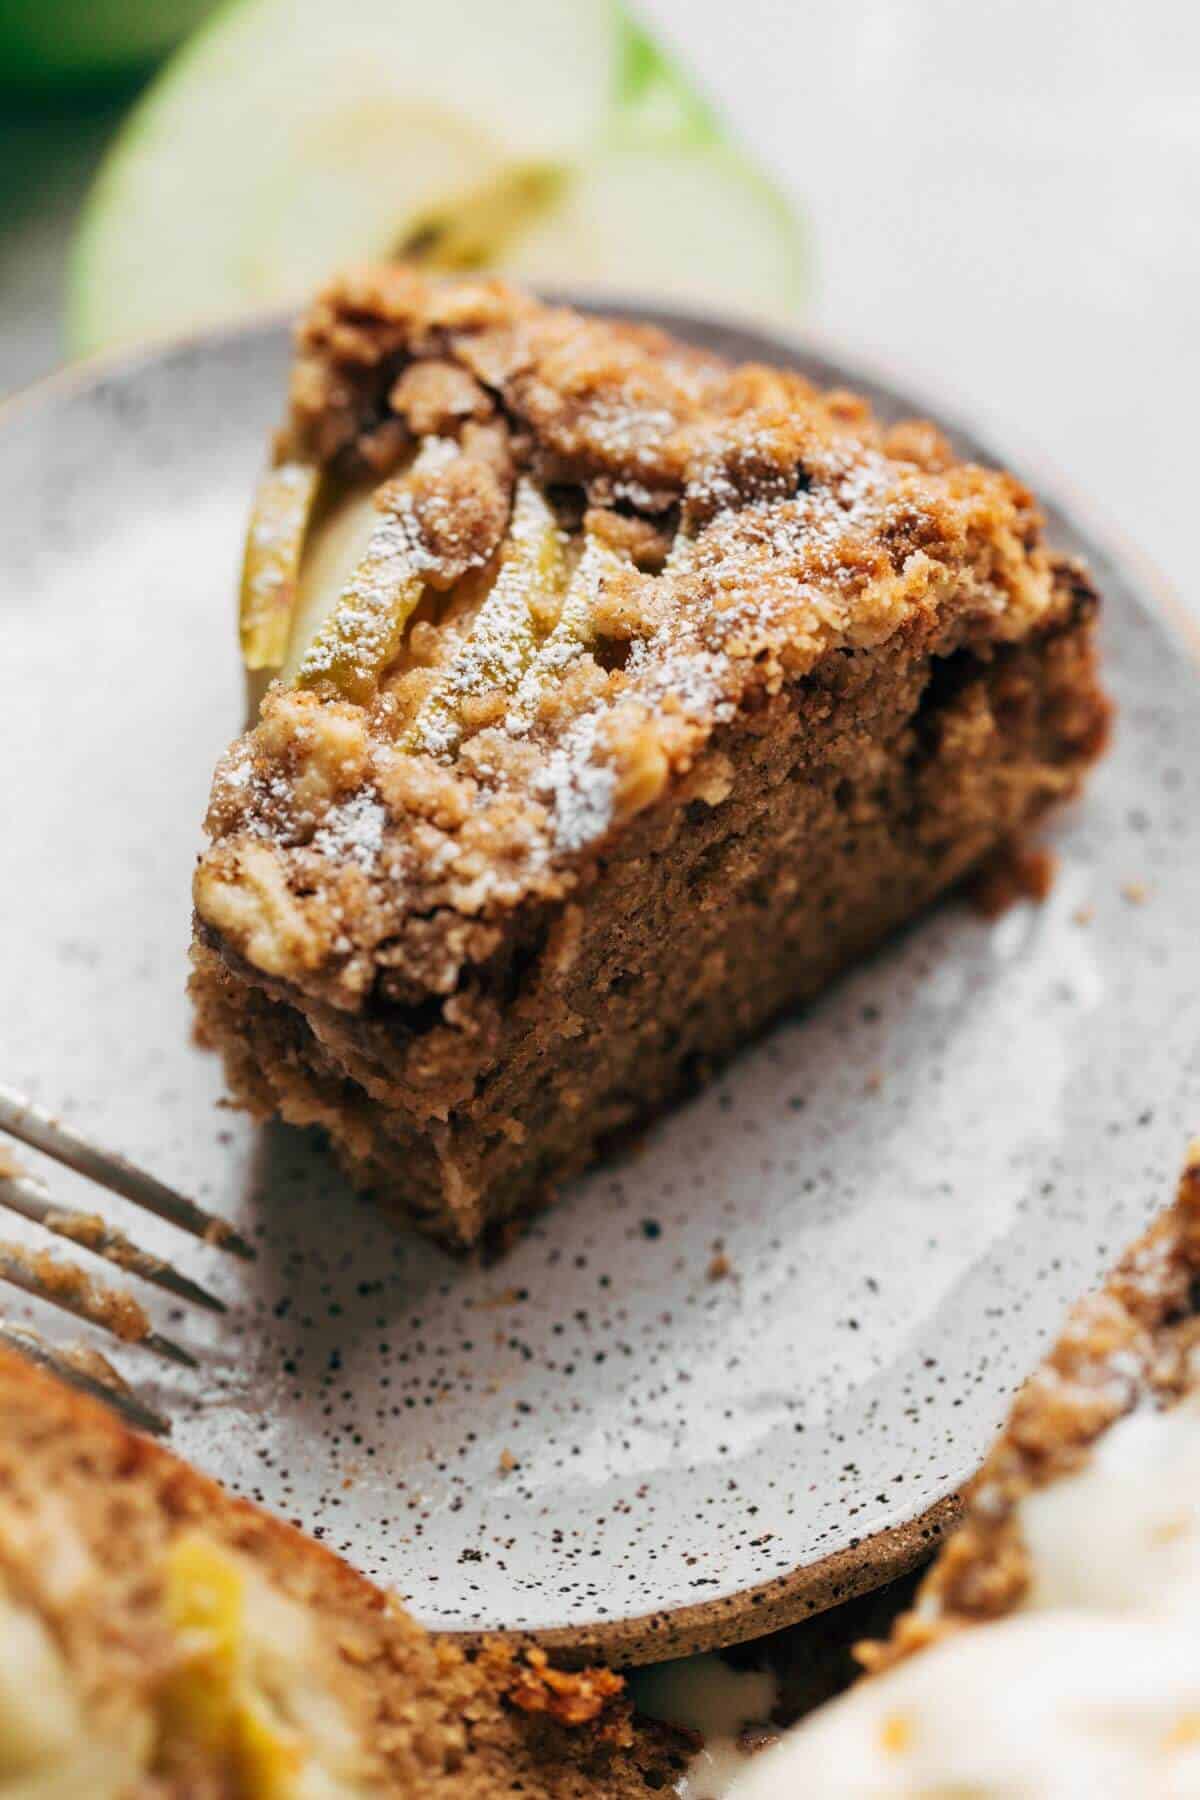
{"x": 654, "y": 102}
{"x": 47, "y": 44}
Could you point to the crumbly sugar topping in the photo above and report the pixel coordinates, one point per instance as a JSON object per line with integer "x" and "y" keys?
{"x": 353, "y": 831}
{"x": 593, "y": 547}
{"x": 579, "y": 790}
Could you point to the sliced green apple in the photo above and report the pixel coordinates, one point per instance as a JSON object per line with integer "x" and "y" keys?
{"x": 503, "y": 637}
{"x": 340, "y": 211}
{"x": 290, "y": 135}
{"x": 542, "y": 138}
{"x": 283, "y": 506}
{"x": 696, "y": 223}
{"x": 362, "y": 633}
{"x": 572, "y": 632}
{"x": 338, "y": 531}
{"x": 655, "y": 103}
{"x": 472, "y": 230}
{"x": 337, "y": 544}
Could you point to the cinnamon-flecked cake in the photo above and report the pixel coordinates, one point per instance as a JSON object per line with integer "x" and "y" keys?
{"x": 1077, "y": 1566}
{"x": 160, "y": 1640}
{"x": 651, "y": 692}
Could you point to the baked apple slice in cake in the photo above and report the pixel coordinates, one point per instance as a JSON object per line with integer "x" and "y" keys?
{"x": 624, "y": 697}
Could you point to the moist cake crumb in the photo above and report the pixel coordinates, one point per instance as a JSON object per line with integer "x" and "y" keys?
{"x": 1016, "y": 872}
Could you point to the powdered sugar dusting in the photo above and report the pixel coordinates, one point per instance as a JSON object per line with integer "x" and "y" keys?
{"x": 779, "y": 502}
{"x": 237, "y": 771}
{"x": 623, "y": 429}
{"x": 571, "y": 634}
{"x": 384, "y": 588}
{"x": 798, "y": 532}
{"x": 579, "y": 789}
{"x": 353, "y": 831}
{"x": 503, "y": 636}
{"x": 579, "y": 783}
{"x": 263, "y": 795}
{"x": 676, "y": 667}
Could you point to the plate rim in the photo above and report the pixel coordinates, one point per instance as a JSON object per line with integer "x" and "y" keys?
{"x": 864, "y": 1563}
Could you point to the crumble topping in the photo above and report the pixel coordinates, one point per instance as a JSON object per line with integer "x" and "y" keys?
{"x": 595, "y": 547}
{"x": 573, "y": 1697}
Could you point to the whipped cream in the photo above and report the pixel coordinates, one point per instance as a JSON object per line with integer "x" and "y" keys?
{"x": 1093, "y": 1688}
{"x": 1124, "y": 1533}
{"x": 1056, "y": 1705}
{"x": 708, "y": 1696}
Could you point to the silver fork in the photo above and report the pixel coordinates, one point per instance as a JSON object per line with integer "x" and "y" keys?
{"x": 66, "y": 1286}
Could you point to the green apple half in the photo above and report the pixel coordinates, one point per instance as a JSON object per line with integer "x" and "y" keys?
{"x": 548, "y": 139}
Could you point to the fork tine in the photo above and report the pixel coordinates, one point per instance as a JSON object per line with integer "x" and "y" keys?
{"x": 26, "y": 1195}
{"x": 34, "y": 1126}
{"x": 26, "y": 1344}
{"x": 69, "y": 1288}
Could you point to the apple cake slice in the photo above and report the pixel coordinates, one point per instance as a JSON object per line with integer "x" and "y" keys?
{"x": 1077, "y": 1560}
{"x": 626, "y": 696}
{"x": 160, "y": 1640}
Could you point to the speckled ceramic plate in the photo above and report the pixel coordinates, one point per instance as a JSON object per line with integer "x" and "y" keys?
{"x": 595, "y": 1441}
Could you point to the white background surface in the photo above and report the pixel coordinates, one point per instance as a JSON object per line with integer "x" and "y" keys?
{"x": 1004, "y": 198}
{"x": 1004, "y": 202}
